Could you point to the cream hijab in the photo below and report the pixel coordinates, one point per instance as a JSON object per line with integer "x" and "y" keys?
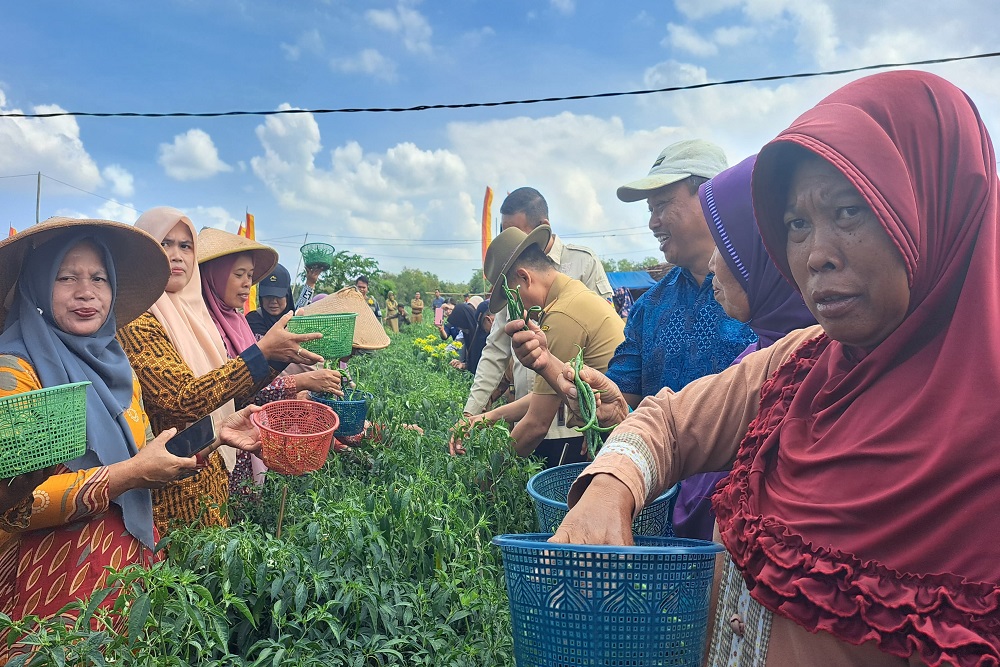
{"x": 185, "y": 317}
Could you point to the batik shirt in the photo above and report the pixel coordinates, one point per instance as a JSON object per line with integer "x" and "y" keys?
{"x": 676, "y": 332}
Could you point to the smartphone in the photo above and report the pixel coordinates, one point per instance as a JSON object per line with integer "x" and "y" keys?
{"x": 193, "y": 439}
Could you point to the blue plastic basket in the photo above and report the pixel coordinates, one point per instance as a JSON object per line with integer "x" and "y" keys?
{"x": 352, "y": 410}
{"x": 549, "y": 489}
{"x": 601, "y": 605}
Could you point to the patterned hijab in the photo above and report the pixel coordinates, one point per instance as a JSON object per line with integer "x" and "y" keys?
{"x": 59, "y": 358}
{"x": 776, "y": 307}
{"x": 863, "y": 498}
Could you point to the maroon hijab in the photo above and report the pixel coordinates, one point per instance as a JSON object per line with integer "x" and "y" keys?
{"x": 864, "y": 498}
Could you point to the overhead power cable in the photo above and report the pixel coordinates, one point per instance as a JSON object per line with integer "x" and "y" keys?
{"x": 474, "y": 105}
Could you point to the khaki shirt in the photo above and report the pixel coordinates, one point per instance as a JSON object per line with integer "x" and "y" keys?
{"x": 417, "y": 306}
{"x": 574, "y": 316}
{"x": 574, "y": 261}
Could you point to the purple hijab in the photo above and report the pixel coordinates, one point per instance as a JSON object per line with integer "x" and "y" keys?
{"x": 775, "y": 309}
{"x": 233, "y": 326}
{"x": 775, "y": 306}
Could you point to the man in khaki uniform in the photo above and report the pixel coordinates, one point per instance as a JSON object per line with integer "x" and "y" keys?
{"x": 572, "y": 315}
{"x": 416, "y": 309}
{"x": 526, "y": 209}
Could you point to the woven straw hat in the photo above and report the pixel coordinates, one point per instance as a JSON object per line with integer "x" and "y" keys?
{"x": 368, "y": 333}
{"x": 141, "y": 265}
{"x": 214, "y": 243}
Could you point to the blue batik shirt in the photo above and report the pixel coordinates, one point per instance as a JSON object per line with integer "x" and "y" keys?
{"x": 676, "y": 332}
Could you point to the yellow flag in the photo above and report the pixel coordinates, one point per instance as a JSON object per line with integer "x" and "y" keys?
{"x": 247, "y": 231}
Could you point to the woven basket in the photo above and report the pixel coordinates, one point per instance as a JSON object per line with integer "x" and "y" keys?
{"x": 41, "y": 428}
{"x": 317, "y": 254}
{"x": 574, "y": 604}
{"x": 550, "y": 488}
{"x": 337, "y": 330}
{"x": 295, "y": 436}
{"x": 352, "y": 410}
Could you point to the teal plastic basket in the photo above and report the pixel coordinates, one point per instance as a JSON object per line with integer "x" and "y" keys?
{"x": 41, "y": 428}
{"x": 549, "y": 490}
{"x": 337, "y": 329}
{"x": 352, "y": 410}
{"x": 603, "y": 605}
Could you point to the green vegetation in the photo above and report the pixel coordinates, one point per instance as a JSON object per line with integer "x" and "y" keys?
{"x": 384, "y": 555}
{"x": 611, "y": 265}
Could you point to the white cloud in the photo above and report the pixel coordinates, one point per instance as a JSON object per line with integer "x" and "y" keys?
{"x": 733, "y": 35}
{"x": 212, "y": 216}
{"x": 368, "y": 61}
{"x": 121, "y": 212}
{"x": 474, "y": 38}
{"x": 367, "y": 194}
{"x": 686, "y": 39}
{"x": 122, "y": 183}
{"x": 699, "y": 9}
{"x": 308, "y": 42}
{"x": 191, "y": 156}
{"x": 415, "y": 192}
{"x": 672, "y": 73}
{"x": 566, "y": 7}
{"x": 51, "y": 146}
{"x": 406, "y": 22}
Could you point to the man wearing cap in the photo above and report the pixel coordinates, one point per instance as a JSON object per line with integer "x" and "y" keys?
{"x": 572, "y": 317}
{"x": 676, "y": 331}
{"x": 526, "y": 209}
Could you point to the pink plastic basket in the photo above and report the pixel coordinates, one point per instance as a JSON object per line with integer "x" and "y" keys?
{"x": 295, "y": 436}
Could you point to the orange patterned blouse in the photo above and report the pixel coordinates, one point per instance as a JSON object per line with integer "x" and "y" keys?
{"x": 54, "y": 548}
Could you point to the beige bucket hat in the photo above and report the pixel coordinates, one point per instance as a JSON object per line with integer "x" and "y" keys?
{"x": 503, "y": 252}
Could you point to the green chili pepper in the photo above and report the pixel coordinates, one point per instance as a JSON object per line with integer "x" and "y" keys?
{"x": 515, "y": 307}
{"x": 588, "y": 408}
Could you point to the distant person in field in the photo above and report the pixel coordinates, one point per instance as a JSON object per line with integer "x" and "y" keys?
{"x": 416, "y": 309}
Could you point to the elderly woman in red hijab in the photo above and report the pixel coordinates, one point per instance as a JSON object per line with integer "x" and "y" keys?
{"x": 861, "y": 509}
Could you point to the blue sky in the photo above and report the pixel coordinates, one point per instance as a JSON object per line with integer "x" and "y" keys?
{"x": 407, "y": 188}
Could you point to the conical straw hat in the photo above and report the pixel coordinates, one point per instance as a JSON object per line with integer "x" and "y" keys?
{"x": 214, "y": 243}
{"x": 140, "y": 263}
{"x": 368, "y": 332}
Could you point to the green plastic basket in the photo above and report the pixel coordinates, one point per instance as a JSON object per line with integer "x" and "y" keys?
{"x": 317, "y": 254}
{"x": 41, "y": 428}
{"x": 337, "y": 330}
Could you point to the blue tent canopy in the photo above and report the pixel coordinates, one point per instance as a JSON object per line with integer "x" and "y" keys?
{"x": 630, "y": 280}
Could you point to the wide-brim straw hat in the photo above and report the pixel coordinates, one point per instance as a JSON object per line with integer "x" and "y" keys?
{"x": 141, "y": 266}
{"x": 214, "y": 243}
{"x": 368, "y": 331}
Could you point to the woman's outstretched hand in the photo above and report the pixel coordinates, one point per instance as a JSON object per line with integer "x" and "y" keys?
{"x": 280, "y": 345}
{"x": 237, "y": 430}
